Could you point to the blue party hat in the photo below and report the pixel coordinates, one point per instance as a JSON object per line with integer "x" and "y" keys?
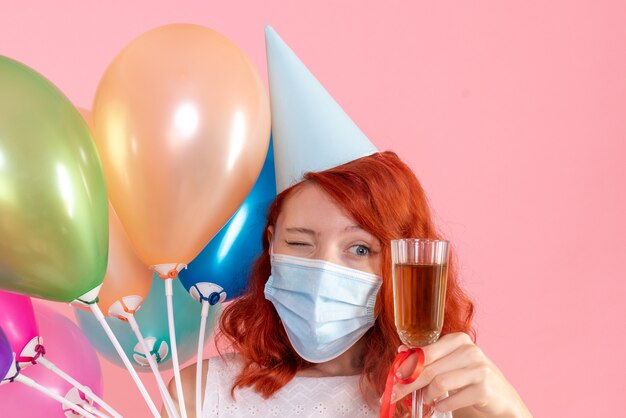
{"x": 311, "y": 131}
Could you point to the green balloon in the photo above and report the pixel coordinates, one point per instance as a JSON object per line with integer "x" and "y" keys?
{"x": 152, "y": 320}
{"x": 53, "y": 201}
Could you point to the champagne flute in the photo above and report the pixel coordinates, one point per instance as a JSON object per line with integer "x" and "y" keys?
{"x": 420, "y": 268}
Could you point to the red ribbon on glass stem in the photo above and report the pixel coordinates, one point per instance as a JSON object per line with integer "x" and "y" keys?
{"x": 387, "y": 408}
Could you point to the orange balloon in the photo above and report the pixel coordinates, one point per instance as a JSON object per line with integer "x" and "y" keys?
{"x": 182, "y": 125}
{"x": 126, "y": 279}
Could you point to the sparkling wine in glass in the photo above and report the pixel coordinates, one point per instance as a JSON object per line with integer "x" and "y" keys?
{"x": 420, "y": 268}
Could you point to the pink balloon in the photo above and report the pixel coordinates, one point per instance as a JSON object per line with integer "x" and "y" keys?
{"x": 17, "y": 319}
{"x": 67, "y": 348}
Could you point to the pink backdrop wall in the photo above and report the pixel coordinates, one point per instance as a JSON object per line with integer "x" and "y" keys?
{"x": 512, "y": 115}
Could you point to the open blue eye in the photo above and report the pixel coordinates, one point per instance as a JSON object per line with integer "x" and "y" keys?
{"x": 360, "y": 250}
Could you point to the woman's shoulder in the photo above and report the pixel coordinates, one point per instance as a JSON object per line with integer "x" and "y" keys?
{"x": 225, "y": 367}
{"x": 226, "y": 360}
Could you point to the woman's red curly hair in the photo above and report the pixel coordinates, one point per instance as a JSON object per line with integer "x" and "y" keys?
{"x": 382, "y": 194}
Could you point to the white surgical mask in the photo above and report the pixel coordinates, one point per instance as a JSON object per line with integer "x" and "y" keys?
{"x": 324, "y": 307}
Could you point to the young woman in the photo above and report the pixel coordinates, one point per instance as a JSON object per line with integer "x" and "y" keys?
{"x": 315, "y": 334}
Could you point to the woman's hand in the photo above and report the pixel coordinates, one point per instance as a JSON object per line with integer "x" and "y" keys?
{"x": 455, "y": 365}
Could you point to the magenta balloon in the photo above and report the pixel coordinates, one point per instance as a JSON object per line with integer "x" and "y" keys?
{"x": 17, "y": 319}
{"x": 70, "y": 350}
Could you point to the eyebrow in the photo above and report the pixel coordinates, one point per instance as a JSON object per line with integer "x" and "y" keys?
{"x": 302, "y": 230}
{"x": 311, "y": 232}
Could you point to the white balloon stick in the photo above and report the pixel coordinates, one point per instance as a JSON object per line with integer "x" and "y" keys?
{"x": 45, "y": 362}
{"x": 68, "y": 404}
{"x": 95, "y": 411}
{"x": 169, "y": 291}
{"x": 169, "y": 403}
{"x": 203, "y": 317}
{"x": 95, "y": 309}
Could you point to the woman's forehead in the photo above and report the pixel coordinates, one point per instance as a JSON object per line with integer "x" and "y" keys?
{"x": 310, "y": 207}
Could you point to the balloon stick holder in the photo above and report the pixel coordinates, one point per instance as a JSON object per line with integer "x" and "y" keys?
{"x": 90, "y": 300}
{"x": 81, "y": 399}
{"x": 126, "y": 305}
{"x": 14, "y": 375}
{"x": 208, "y": 294}
{"x": 66, "y": 403}
{"x": 169, "y": 272}
{"x": 43, "y": 361}
{"x": 207, "y": 291}
{"x": 30, "y": 352}
{"x": 167, "y": 399}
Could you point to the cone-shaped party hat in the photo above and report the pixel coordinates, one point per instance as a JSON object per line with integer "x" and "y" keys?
{"x": 311, "y": 131}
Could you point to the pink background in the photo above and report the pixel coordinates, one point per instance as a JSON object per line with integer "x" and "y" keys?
{"x": 513, "y": 116}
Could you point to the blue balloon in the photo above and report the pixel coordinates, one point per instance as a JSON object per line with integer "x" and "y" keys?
{"x": 228, "y": 257}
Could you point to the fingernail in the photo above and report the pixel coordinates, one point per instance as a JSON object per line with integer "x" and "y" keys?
{"x": 399, "y": 374}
